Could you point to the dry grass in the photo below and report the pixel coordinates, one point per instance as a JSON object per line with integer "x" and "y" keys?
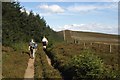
{"x": 13, "y": 63}
{"x": 90, "y": 36}
{"x": 68, "y": 50}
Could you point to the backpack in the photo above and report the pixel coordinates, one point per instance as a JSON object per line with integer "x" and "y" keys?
{"x": 33, "y": 45}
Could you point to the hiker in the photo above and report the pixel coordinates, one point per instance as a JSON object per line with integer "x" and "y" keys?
{"x": 44, "y": 42}
{"x": 32, "y": 48}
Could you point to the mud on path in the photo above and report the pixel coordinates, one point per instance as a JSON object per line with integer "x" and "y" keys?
{"x": 29, "y": 73}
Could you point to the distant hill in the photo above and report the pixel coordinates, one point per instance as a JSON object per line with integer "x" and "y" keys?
{"x": 89, "y": 36}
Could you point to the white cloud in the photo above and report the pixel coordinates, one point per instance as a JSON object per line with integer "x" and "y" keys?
{"x": 81, "y": 8}
{"x": 93, "y": 27}
{"x": 22, "y": 10}
{"x": 45, "y": 14}
{"x": 84, "y": 8}
{"x": 28, "y": 12}
{"x": 52, "y": 8}
{"x": 64, "y": 0}
{"x": 69, "y": 10}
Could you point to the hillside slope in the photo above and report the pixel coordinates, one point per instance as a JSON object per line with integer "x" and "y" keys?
{"x": 89, "y": 36}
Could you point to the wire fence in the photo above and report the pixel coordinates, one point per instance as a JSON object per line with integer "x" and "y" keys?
{"x": 98, "y": 45}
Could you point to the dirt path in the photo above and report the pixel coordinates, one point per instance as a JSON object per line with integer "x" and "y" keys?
{"x": 49, "y": 61}
{"x": 29, "y": 73}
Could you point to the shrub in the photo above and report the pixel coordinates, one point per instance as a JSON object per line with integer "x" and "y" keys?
{"x": 50, "y": 44}
{"x": 20, "y": 46}
{"x": 85, "y": 66}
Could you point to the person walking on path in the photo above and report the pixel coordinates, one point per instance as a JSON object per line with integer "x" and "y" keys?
{"x": 32, "y": 48}
{"x": 44, "y": 42}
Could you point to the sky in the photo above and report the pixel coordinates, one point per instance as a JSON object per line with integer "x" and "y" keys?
{"x": 101, "y": 17}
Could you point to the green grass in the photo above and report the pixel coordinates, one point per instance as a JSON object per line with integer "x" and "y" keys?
{"x": 38, "y": 67}
{"x": 21, "y": 47}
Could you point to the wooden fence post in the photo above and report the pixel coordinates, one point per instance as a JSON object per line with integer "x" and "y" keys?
{"x": 91, "y": 43}
{"x": 64, "y": 34}
{"x": 110, "y": 48}
{"x": 84, "y": 45}
{"x": 75, "y": 41}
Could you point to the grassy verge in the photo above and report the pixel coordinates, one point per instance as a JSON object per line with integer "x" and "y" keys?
{"x": 13, "y": 63}
{"x": 38, "y": 67}
{"x": 43, "y": 67}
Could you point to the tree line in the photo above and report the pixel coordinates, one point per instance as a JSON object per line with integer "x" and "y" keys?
{"x": 18, "y": 26}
